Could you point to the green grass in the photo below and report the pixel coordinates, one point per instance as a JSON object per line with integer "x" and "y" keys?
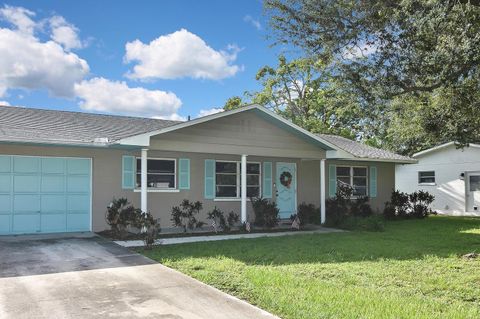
{"x": 412, "y": 270}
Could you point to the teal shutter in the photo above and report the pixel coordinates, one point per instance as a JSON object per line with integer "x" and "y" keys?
{"x": 332, "y": 180}
{"x": 184, "y": 173}
{"x": 209, "y": 179}
{"x": 373, "y": 181}
{"x": 128, "y": 172}
{"x": 267, "y": 180}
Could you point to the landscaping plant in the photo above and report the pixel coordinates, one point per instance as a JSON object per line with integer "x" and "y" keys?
{"x": 184, "y": 215}
{"x": 266, "y": 212}
{"x": 404, "y": 206}
{"x": 308, "y": 214}
{"x": 225, "y": 223}
{"x": 119, "y": 215}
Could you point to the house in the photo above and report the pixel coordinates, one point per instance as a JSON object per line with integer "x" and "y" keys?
{"x": 59, "y": 170}
{"x": 451, "y": 174}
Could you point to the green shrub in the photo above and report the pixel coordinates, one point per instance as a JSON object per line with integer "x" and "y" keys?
{"x": 343, "y": 206}
{"x": 404, "y": 206}
{"x": 266, "y": 212}
{"x": 308, "y": 214}
{"x": 225, "y": 224}
{"x": 119, "y": 215}
{"x": 184, "y": 215}
{"x": 149, "y": 226}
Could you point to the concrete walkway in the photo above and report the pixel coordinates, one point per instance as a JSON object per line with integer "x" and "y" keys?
{"x": 196, "y": 239}
{"x": 93, "y": 278}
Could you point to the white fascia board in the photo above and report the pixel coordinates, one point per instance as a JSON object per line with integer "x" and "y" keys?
{"x": 439, "y": 147}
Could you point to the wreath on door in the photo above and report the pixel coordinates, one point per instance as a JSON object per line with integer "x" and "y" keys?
{"x": 286, "y": 179}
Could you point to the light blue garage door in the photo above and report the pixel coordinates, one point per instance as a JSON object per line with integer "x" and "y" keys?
{"x": 44, "y": 194}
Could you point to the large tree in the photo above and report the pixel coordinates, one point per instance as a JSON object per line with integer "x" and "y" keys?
{"x": 394, "y": 51}
{"x": 304, "y": 91}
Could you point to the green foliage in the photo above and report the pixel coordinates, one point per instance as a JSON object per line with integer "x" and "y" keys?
{"x": 119, "y": 215}
{"x": 411, "y": 270}
{"x": 266, "y": 212}
{"x": 184, "y": 215}
{"x": 343, "y": 207}
{"x": 233, "y": 103}
{"x": 225, "y": 223}
{"x": 308, "y": 214}
{"x": 414, "y": 64}
{"x": 375, "y": 223}
{"x": 404, "y": 206}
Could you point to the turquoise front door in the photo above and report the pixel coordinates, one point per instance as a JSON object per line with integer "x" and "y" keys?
{"x": 44, "y": 194}
{"x": 286, "y": 188}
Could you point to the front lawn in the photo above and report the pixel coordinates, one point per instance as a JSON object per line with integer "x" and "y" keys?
{"x": 412, "y": 270}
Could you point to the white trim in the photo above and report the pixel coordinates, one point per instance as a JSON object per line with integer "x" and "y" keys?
{"x": 322, "y": 191}
{"x": 367, "y": 177}
{"x": 243, "y": 188}
{"x": 260, "y": 176}
{"x": 441, "y": 146}
{"x": 229, "y": 199}
{"x": 161, "y": 159}
{"x": 158, "y": 190}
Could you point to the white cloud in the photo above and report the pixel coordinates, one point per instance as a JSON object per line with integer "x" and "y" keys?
{"x": 253, "y": 22}
{"x": 28, "y": 63}
{"x": 99, "y": 94}
{"x": 5, "y": 103}
{"x": 359, "y": 51}
{"x": 180, "y": 54}
{"x": 65, "y": 33}
{"x": 19, "y": 17}
{"x": 211, "y": 111}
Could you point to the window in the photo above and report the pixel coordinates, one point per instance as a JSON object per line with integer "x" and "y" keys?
{"x": 355, "y": 176}
{"x": 427, "y": 177}
{"x": 160, "y": 173}
{"x": 474, "y": 181}
{"x": 227, "y": 179}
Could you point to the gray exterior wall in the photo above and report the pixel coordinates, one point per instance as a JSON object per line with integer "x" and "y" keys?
{"x": 107, "y": 179}
{"x": 385, "y": 180}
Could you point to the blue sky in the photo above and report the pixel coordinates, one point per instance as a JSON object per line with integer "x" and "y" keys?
{"x": 74, "y": 55}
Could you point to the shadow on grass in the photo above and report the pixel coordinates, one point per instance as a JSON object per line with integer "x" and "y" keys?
{"x": 402, "y": 240}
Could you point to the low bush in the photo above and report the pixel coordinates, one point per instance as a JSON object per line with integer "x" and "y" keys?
{"x": 404, "y": 206}
{"x": 308, "y": 214}
{"x": 120, "y": 215}
{"x": 184, "y": 215}
{"x": 225, "y": 223}
{"x": 266, "y": 212}
{"x": 343, "y": 206}
{"x": 149, "y": 226}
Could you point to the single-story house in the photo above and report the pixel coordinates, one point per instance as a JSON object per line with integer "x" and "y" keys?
{"x": 59, "y": 170}
{"x": 450, "y": 173}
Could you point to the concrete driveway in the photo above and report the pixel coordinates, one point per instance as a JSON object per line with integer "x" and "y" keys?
{"x": 88, "y": 277}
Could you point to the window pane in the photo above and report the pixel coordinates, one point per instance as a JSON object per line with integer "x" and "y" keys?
{"x": 359, "y": 181}
{"x": 253, "y": 191}
{"x": 226, "y": 191}
{"x": 226, "y": 179}
{"x": 359, "y": 191}
{"x": 253, "y": 168}
{"x": 157, "y": 166}
{"x": 343, "y": 180}
{"x": 158, "y": 181}
{"x": 253, "y": 179}
{"x": 474, "y": 183}
{"x": 343, "y": 171}
{"x": 359, "y": 171}
{"x": 226, "y": 167}
{"x": 426, "y": 177}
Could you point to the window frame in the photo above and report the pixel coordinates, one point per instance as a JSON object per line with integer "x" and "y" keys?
{"x": 427, "y": 183}
{"x": 351, "y": 168}
{"x": 238, "y": 179}
{"x": 158, "y": 189}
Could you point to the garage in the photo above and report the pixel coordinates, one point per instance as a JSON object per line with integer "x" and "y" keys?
{"x": 44, "y": 194}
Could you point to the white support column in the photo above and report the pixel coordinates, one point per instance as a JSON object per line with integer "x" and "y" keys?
{"x": 322, "y": 191}
{"x": 243, "y": 183}
{"x": 143, "y": 183}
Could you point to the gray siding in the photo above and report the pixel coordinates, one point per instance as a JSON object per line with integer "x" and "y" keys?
{"x": 242, "y": 133}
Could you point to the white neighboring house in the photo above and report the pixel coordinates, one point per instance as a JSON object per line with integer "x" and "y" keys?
{"x": 451, "y": 174}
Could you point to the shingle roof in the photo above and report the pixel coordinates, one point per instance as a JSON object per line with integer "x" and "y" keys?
{"x": 19, "y": 124}
{"x": 363, "y": 151}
